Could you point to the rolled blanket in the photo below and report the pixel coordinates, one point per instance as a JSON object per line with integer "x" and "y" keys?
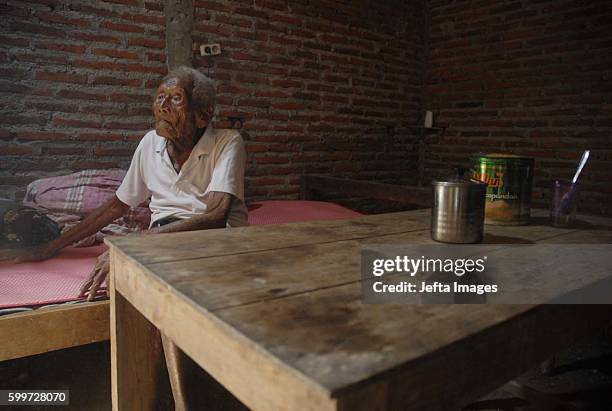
{"x": 68, "y": 199}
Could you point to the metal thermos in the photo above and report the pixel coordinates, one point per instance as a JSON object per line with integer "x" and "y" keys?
{"x": 458, "y": 210}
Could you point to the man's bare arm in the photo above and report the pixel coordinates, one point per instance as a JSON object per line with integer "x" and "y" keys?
{"x": 218, "y": 206}
{"x": 91, "y": 224}
{"x": 102, "y": 216}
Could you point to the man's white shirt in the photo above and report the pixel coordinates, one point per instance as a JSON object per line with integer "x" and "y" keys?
{"x": 216, "y": 163}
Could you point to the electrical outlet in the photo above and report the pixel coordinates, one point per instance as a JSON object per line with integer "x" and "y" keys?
{"x": 211, "y": 49}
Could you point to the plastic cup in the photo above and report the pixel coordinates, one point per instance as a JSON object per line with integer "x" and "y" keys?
{"x": 564, "y": 202}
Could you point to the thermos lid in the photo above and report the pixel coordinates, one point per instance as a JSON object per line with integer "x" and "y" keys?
{"x": 459, "y": 179}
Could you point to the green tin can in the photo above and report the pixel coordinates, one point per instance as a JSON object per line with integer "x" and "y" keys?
{"x": 509, "y": 181}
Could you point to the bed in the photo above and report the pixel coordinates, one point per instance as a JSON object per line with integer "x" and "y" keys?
{"x": 54, "y": 319}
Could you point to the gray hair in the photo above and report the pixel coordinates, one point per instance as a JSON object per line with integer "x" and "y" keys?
{"x": 201, "y": 89}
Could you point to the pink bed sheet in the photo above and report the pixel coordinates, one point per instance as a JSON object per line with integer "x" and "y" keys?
{"x": 58, "y": 280}
{"x": 287, "y": 211}
{"x": 55, "y": 280}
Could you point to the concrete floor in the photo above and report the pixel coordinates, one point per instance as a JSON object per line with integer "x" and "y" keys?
{"x": 582, "y": 380}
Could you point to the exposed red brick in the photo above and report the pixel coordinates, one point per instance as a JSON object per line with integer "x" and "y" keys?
{"x": 33, "y": 28}
{"x": 233, "y": 21}
{"x": 159, "y": 57}
{"x": 253, "y": 103}
{"x": 238, "y": 55}
{"x": 61, "y": 77}
{"x": 16, "y": 180}
{"x": 252, "y": 148}
{"x": 116, "y": 53}
{"x": 90, "y": 164}
{"x": 144, "y": 42}
{"x": 126, "y": 126}
{"x": 126, "y": 2}
{"x": 14, "y": 41}
{"x": 40, "y": 59}
{"x": 133, "y": 82}
{"x": 5, "y": 134}
{"x": 212, "y": 5}
{"x": 271, "y": 4}
{"x": 154, "y": 6}
{"x": 95, "y": 37}
{"x": 267, "y": 159}
{"x": 53, "y": 106}
{"x": 286, "y": 83}
{"x": 283, "y": 18}
{"x": 145, "y": 68}
{"x": 64, "y": 150}
{"x": 134, "y": 136}
{"x": 13, "y": 87}
{"x": 61, "y": 19}
{"x": 152, "y": 83}
{"x": 127, "y": 97}
{"x": 10, "y": 10}
{"x": 144, "y": 18}
{"x": 126, "y": 28}
{"x": 41, "y": 135}
{"x": 113, "y": 151}
{"x": 80, "y": 95}
{"x": 69, "y": 122}
{"x": 99, "y": 65}
{"x": 250, "y": 11}
{"x": 70, "y": 48}
{"x": 100, "y": 137}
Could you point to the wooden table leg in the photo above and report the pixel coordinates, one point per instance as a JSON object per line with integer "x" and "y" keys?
{"x": 139, "y": 377}
{"x": 176, "y": 373}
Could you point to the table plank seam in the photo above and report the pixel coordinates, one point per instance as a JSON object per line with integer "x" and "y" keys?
{"x": 325, "y": 242}
{"x": 282, "y": 248}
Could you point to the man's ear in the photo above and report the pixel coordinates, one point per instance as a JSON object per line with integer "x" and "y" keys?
{"x": 202, "y": 119}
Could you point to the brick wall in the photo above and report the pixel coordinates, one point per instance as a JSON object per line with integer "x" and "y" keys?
{"x": 527, "y": 77}
{"x": 321, "y": 86}
{"x": 76, "y": 79}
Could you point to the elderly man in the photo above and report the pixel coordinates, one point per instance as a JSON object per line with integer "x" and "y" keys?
{"x": 194, "y": 174}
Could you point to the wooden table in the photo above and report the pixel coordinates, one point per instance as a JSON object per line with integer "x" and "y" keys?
{"x": 274, "y": 313}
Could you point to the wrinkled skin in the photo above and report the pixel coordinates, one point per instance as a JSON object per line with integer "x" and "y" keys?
{"x": 96, "y": 277}
{"x": 175, "y": 117}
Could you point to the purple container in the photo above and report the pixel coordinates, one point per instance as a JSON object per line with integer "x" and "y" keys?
{"x": 564, "y": 203}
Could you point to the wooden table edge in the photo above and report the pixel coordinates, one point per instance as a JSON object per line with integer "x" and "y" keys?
{"x": 290, "y": 387}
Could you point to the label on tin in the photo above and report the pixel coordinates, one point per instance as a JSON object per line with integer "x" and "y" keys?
{"x": 508, "y": 194}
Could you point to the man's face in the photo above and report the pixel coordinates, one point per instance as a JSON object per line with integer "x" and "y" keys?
{"x": 174, "y": 115}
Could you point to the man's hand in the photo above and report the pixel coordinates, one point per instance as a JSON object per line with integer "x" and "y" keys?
{"x": 96, "y": 278}
{"x": 22, "y": 255}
